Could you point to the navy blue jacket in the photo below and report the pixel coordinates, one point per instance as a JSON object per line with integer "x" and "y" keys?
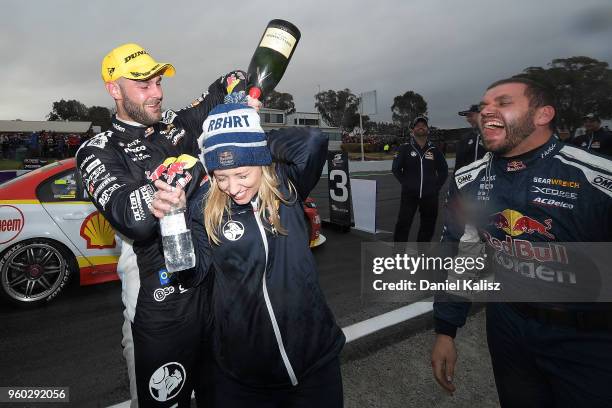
{"x": 599, "y": 141}
{"x": 272, "y": 325}
{"x": 469, "y": 149}
{"x": 555, "y": 193}
{"x": 421, "y": 171}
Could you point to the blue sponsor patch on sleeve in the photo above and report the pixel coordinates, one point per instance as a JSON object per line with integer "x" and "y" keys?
{"x": 165, "y": 277}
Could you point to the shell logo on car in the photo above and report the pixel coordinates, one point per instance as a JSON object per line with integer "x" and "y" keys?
{"x": 97, "y": 231}
{"x": 11, "y": 223}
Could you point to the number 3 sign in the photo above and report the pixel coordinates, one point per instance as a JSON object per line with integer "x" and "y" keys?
{"x": 339, "y": 188}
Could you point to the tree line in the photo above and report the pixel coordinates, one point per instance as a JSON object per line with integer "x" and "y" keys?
{"x": 581, "y": 84}
{"x": 73, "y": 110}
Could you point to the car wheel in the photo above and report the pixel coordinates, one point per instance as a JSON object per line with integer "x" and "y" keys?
{"x": 34, "y": 272}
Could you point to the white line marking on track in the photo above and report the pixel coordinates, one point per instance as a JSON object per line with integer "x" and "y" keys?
{"x": 374, "y": 324}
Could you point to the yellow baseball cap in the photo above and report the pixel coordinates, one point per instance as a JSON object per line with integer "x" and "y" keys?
{"x": 133, "y": 62}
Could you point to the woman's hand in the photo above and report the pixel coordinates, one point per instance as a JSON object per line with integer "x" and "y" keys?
{"x": 254, "y": 103}
{"x": 167, "y": 197}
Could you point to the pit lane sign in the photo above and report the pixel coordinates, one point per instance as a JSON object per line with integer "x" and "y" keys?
{"x": 339, "y": 188}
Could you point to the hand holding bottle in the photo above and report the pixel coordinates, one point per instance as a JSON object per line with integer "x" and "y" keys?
{"x": 254, "y": 103}
{"x": 169, "y": 206}
{"x": 167, "y": 197}
{"x": 241, "y": 97}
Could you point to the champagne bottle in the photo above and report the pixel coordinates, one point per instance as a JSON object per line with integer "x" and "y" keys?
{"x": 271, "y": 57}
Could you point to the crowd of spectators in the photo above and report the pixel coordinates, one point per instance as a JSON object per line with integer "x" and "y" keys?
{"x": 46, "y": 145}
{"x": 387, "y": 143}
{"x": 443, "y": 139}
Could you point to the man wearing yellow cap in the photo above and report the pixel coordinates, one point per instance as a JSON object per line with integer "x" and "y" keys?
{"x": 164, "y": 312}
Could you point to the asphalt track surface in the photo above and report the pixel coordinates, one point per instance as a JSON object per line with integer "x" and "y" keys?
{"x": 75, "y": 341}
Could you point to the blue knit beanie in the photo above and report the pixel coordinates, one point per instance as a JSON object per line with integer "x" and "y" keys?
{"x": 232, "y": 137}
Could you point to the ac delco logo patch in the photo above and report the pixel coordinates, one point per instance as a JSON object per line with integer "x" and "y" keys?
{"x": 11, "y": 223}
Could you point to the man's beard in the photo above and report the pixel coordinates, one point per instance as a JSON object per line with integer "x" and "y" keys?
{"x": 138, "y": 113}
{"x": 516, "y": 131}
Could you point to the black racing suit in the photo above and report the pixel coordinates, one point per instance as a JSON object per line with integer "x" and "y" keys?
{"x": 421, "y": 172}
{"x": 542, "y": 353}
{"x": 599, "y": 141}
{"x": 164, "y": 315}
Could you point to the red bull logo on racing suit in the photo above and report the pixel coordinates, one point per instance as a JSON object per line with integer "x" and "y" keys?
{"x": 174, "y": 167}
{"x": 514, "y": 224}
{"x": 527, "y": 258}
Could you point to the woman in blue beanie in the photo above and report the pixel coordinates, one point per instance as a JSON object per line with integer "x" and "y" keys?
{"x": 275, "y": 340}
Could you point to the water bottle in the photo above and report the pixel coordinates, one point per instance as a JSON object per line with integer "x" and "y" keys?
{"x": 176, "y": 240}
{"x": 271, "y": 57}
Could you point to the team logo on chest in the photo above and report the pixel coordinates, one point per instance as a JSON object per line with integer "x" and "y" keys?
{"x": 515, "y": 165}
{"x": 233, "y": 230}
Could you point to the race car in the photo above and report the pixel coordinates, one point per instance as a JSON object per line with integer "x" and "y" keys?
{"x": 50, "y": 231}
{"x": 313, "y": 223}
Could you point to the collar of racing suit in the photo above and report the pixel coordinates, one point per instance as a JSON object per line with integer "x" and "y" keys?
{"x": 130, "y": 129}
{"x": 535, "y": 157}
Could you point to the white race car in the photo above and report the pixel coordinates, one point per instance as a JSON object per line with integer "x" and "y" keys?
{"x": 49, "y": 230}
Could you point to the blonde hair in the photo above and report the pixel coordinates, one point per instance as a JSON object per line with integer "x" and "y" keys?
{"x": 217, "y": 203}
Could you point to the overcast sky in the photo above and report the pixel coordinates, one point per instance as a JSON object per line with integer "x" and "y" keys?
{"x": 448, "y": 51}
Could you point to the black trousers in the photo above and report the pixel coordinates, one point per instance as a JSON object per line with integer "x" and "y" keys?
{"x": 428, "y": 208}
{"x": 169, "y": 336}
{"x": 321, "y": 389}
{"x": 538, "y": 365}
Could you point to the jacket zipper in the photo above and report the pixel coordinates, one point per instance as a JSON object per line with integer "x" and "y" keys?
{"x": 277, "y": 333}
{"x": 421, "y": 185}
{"x": 421, "y": 159}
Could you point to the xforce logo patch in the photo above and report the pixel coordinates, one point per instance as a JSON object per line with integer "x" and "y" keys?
{"x": 554, "y": 192}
